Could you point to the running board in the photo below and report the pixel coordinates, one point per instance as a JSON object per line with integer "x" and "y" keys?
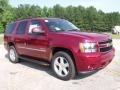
{"x": 35, "y": 61}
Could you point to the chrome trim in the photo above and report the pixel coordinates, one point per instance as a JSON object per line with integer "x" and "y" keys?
{"x": 40, "y": 50}
{"x": 106, "y": 44}
{"x": 105, "y": 41}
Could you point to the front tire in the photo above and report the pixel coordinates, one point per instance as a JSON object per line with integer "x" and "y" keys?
{"x": 63, "y": 66}
{"x": 12, "y": 55}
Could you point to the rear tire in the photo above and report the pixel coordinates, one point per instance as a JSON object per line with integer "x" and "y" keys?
{"x": 12, "y": 55}
{"x": 63, "y": 66}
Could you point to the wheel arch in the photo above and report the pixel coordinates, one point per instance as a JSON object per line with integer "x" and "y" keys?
{"x": 10, "y": 44}
{"x": 57, "y": 49}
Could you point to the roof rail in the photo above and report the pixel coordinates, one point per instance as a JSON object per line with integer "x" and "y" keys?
{"x": 21, "y": 18}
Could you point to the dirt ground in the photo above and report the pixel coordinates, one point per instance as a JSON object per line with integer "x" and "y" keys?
{"x": 29, "y": 76}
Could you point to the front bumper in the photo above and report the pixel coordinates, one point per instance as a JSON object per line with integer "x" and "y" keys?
{"x": 93, "y": 61}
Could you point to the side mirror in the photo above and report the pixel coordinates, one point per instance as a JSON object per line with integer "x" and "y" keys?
{"x": 37, "y": 31}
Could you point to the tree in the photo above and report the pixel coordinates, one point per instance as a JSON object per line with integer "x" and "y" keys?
{"x": 59, "y": 11}
{"x": 85, "y": 18}
{"x": 5, "y": 14}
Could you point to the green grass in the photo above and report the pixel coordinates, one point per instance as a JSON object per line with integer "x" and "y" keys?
{"x": 1, "y": 39}
{"x": 114, "y": 36}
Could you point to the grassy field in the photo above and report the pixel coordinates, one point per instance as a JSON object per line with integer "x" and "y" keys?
{"x": 114, "y": 36}
{"x": 1, "y": 38}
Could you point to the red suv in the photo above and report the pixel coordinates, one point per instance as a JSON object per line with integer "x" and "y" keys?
{"x": 60, "y": 43}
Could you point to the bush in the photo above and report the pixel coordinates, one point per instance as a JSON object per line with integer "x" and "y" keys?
{"x": 1, "y": 28}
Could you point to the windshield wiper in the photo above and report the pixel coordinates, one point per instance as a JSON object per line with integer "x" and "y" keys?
{"x": 58, "y": 30}
{"x": 73, "y": 30}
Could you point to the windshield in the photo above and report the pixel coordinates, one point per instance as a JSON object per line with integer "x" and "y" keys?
{"x": 60, "y": 25}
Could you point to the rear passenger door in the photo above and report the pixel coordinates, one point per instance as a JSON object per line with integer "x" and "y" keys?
{"x": 20, "y": 37}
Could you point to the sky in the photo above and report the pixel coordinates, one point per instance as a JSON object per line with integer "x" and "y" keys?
{"x": 104, "y": 5}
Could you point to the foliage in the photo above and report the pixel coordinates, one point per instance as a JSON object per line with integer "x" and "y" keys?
{"x": 1, "y": 28}
{"x": 5, "y": 14}
{"x": 85, "y": 18}
{"x": 1, "y": 38}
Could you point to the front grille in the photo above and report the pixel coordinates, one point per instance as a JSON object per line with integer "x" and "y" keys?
{"x": 105, "y": 49}
{"x": 107, "y": 41}
{"x": 105, "y": 45}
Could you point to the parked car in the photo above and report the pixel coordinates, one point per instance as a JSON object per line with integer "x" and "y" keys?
{"x": 60, "y": 43}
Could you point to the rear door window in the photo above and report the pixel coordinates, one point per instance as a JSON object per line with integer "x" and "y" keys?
{"x": 22, "y": 27}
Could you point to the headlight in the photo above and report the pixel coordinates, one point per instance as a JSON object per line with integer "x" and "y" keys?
{"x": 88, "y": 47}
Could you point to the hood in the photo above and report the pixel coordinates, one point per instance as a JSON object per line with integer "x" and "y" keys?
{"x": 87, "y": 36}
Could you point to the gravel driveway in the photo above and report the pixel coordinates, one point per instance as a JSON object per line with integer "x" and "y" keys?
{"x": 29, "y": 76}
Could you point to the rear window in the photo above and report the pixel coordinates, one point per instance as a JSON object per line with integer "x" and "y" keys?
{"x": 10, "y": 28}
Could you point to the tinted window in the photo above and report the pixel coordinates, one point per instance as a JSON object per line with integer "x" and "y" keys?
{"x": 34, "y": 24}
{"x": 22, "y": 27}
{"x": 60, "y": 25}
{"x": 10, "y": 28}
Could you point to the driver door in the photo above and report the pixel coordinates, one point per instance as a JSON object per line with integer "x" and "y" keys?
{"x": 36, "y": 43}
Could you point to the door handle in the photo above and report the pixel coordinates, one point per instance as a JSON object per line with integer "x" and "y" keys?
{"x": 17, "y": 40}
{"x": 25, "y": 43}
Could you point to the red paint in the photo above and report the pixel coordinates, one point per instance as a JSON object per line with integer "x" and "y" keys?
{"x": 69, "y": 40}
